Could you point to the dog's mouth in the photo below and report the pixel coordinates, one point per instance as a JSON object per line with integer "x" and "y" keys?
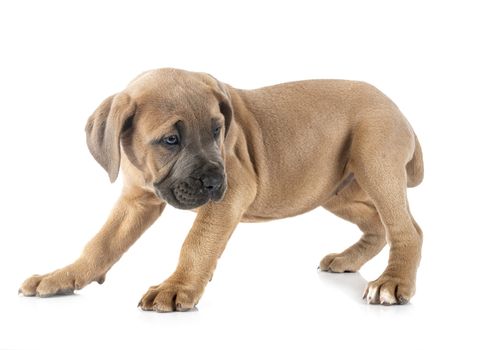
{"x": 190, "y": 194}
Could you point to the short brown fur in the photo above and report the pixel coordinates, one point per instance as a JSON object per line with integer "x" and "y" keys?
{"x": 280, "y": 151}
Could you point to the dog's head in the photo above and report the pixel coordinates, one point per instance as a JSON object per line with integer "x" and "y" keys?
{"x": 171, "y": 124}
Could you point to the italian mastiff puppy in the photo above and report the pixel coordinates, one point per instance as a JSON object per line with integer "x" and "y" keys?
{"x": 188, "y": 140}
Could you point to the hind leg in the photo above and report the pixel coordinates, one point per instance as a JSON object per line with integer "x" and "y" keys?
{"x": 355, "y": 205}
{"x": 379, "y": 154}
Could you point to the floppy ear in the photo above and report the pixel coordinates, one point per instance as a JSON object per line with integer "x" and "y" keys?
{"x": 227, "y": 111}
{"x": 104, "y": 129}
{"x": 224, "y": 100}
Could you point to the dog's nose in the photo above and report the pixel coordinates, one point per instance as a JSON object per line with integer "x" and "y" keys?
{"x": 212, "y": 182}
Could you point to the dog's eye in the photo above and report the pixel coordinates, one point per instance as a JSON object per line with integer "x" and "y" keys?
{"x": 167, "y": 141}
{"x": 216, "y": 131}
{"x": 171, "y": 140}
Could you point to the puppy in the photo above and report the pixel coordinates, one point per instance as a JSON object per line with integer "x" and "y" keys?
{"x": 188, "y": 140}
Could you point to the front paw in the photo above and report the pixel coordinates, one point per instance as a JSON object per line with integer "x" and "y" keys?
{"x": 60, "y": 282}
{"x": 171, "y": 295}
{"x": 389, "y": 290}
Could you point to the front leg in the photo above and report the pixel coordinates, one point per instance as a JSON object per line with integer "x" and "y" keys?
{"x": 203, "y": 246}
{"x": 135, "y": 211}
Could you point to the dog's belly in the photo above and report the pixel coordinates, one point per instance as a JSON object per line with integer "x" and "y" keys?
{"x": 287, "y": 199}
{"x": 278, "y": 212}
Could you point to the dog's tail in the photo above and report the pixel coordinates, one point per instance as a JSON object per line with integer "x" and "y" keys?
{"x": 415, "y": 167}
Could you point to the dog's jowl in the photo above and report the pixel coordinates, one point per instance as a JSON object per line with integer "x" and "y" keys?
{"x": 188, "y": 140}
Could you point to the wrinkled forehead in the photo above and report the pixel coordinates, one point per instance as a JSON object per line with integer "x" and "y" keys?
{"x": 158, "y": 114}
{"x": 172, "y": 98}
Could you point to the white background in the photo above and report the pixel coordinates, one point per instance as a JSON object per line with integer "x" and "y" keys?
{"x": 59, "y": 60}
